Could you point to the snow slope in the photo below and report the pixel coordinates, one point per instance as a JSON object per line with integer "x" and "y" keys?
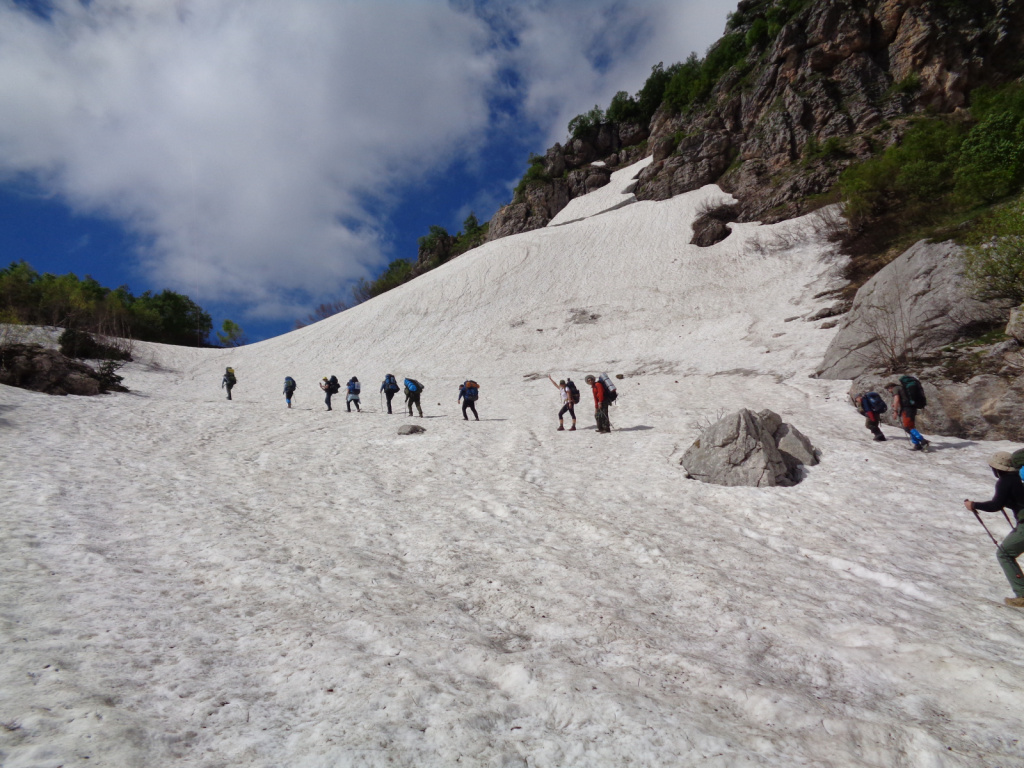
{"x": 188, "y": 581}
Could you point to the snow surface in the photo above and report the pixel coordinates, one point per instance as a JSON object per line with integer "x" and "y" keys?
{"x": 190, "y": 581}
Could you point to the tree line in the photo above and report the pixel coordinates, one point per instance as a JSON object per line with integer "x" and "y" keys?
{"x": 83, "y": 304}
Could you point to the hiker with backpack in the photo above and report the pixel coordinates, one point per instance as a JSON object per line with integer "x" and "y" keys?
{"x": 1009, "y": 494}
{"x": 907, "y": 398}
{"x": 331, "y": 386}
{"x": 871, "y": 406}
{"x": 389, "y": 387}
{"x": 228, "y": 381}
{"x": 601, "y": 403}
{"x": 353, "y": 394}
{"x": 469, "y": 392}
{"x": 570, "y": 396}
{"x": 289, "y": 389}
{"x": 413, "y": 390}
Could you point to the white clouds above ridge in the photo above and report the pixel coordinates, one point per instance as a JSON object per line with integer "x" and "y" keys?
{"x": 242, "y": 139}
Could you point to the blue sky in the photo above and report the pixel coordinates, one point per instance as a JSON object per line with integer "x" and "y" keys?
{"x": 261, "y": 156}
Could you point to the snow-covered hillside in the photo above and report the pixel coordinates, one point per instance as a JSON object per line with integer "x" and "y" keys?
{"x": 190, "y": 581}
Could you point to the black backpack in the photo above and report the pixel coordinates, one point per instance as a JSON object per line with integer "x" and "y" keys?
{"x": 333, "y": 386}
{"x": 574, "y": 393}
{"x": 289, "y": 383}
{"x": 229, "y": 376}
{"x": 913, "y": 392}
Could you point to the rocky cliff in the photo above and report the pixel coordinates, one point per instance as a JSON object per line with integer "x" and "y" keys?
{"x": 837, "y": 82}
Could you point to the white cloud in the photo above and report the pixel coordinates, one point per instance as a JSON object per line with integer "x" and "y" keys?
{"x": 243, "y": 139}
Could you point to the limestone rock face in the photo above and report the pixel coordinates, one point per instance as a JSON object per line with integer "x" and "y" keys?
{"x": 570, "y": 175}
{"x": 743, "y": 448}
{"x": 912, "y": 307}
{"x": 1015, "y": 328}
{"x": 839, "y": 70}
{"x": 410, "y": 429}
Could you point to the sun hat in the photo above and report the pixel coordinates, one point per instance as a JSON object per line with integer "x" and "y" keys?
{"x": 1001, "y": 461}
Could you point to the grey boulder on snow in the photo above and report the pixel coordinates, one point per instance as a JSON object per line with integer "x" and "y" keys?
{"x": 917, "y": 303}
{"x": 745, "y": 448}
{"x": 410, "y": 429}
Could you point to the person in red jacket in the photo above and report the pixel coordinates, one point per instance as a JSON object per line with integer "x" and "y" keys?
{"x": 600, "y": 405}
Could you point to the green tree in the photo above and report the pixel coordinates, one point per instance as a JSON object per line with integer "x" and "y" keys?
{"x": 995, "y": 262}
{"x": 231, "y": 334}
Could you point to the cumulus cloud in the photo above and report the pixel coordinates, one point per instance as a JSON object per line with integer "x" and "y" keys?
{"x": 246, "y": 141}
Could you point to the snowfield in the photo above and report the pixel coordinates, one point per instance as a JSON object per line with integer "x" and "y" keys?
{"x": 195, "y": 582}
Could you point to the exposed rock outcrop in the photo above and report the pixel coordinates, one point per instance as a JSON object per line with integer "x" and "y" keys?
{"x": 411, "y": 429}
{"x": 569, "y": 172}
{"x": 837, "y": 82}
{"x": 829, "y": 85}
{"x": 745, "y": 448}
{"x": 32, "y": 366}
{"x": 907, "y": 311}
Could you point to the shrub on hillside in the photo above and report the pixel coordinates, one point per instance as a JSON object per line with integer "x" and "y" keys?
{"x": 535, "y": 174}
{"x": 994, "y": 263}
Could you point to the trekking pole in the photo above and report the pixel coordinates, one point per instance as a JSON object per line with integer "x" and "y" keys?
{"x": 986, "y": 528}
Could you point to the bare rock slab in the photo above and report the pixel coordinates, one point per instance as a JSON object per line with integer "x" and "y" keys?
{"x": 914, "y": 305}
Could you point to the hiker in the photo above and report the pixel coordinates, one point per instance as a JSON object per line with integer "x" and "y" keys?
{"x": 353, "y": 394}
{"x": 389, "y": 387}
{"x": 331, "y": 386}
{"x": 600, "y": 404}
{"x": 570, "y": 396}
{"x": 413, "y": 390}
{"x": 871, "y": 406}
{"x": 907, "y": 398}
{"x": 1009, "y": 494}
{"x": 289, "y": 389}
{"x": 228, "y": 381}
{"x": 469, "y": 392}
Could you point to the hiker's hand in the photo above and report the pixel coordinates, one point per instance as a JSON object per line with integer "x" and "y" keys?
{"x": 969, "y": 504}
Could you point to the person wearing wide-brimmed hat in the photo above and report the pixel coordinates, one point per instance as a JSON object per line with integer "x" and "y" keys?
{"x": 1009, "y": 495}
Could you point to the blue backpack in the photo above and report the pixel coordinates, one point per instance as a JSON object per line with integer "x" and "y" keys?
{"x": 413, "y": 386}
{"x": 390, "y": 385}
{"x": 353, "y": 387}
{"x": 289, "y": 383}
{"x": 472, "y": 391}
{"x": 872, "y": 401}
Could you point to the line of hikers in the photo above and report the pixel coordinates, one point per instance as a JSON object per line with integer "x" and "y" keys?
{"x": 907, "y": 399}
{"x": 469, "y": 392}
{"x": 907, "y": 395}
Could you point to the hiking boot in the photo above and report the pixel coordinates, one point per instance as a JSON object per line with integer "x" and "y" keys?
{"x": 572, "y": 428}
{"x": 560, "y": 428}
{"x": 1015, "y": 602}
{"x": 914, "y": 447}
{"x": 926, "y": 446}
{"x": 879, "y": 438}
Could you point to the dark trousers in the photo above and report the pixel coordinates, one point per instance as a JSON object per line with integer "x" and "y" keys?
{"x": 567, "y": 407}
{"x": 327, "y": 399}
{"x": 228, "y": 387}
{"x": 389, "y": 396}
{"x": 601, "y": 416}
{"x": 413, "y": 399}
{"x": 471, "y": 404}
{"x": 871, "y": 422}
{"x": 348, "y": 404}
